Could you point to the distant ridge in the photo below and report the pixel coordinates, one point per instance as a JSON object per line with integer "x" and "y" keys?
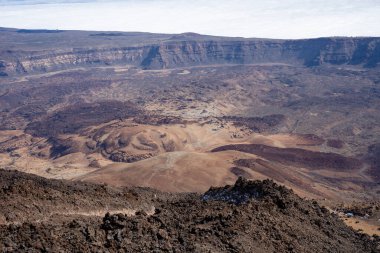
{"x": 160, "y": 51}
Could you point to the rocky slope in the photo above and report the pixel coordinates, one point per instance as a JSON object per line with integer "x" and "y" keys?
{"x": 29, "y": 198}
{"x": 152, "y": 51}
{"x": 250, "y": 216}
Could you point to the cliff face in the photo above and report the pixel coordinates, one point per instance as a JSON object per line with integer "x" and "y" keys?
{"x": 29, "y": 62}
{"x": 192, "y": 52}
{"x": 314, "y": 52}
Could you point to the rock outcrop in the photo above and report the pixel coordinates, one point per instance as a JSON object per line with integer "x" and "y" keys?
{"x": 185, "y": 51}
{"x": 250, "y": 216}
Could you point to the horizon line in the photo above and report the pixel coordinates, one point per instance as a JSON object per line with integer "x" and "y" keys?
{"x": 185, "y": 33}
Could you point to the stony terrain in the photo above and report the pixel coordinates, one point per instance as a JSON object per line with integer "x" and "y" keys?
{"x": 257, "y": 216}
{"x": 116, "y": 124}
{"x": 181, "y": 113}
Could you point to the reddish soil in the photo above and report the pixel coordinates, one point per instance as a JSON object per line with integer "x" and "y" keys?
{"x": 297, "y": 157}
{"x": 240, "y": 172}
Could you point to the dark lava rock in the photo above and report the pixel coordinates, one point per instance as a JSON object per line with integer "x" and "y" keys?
{"x": 243, "y": 190}
{"x": 250, "y": 216}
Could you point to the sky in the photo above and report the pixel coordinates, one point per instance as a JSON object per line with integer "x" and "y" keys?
{"x": 285, "y": 19}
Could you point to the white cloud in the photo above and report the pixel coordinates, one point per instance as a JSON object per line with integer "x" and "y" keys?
{"x": 247, "y": 18}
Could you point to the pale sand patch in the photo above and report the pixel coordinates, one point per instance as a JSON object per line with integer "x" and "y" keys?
{"x": 8, "y": 134}
{"x": 172, "y": 172}
{"x": 184, "y": 72}
{"x": 95, "y": 213}
{"x": 363, "y": 225}
{"x": 103, "y": 212}
{"x": 5, "y": 160}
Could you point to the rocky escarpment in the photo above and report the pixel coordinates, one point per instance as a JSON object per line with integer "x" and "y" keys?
{"x": 179, "y": 51}
{"x": 36, "y": 62}
{"x": 312, "y": 52}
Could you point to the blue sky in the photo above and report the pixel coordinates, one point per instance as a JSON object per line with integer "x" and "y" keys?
{"x": 246, "y": 18}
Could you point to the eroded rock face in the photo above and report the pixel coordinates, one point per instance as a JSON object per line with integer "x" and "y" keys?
{"x": 307, "y": 52}
{"x": 200, "y": 51}
{"x": 52, "y": 61}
